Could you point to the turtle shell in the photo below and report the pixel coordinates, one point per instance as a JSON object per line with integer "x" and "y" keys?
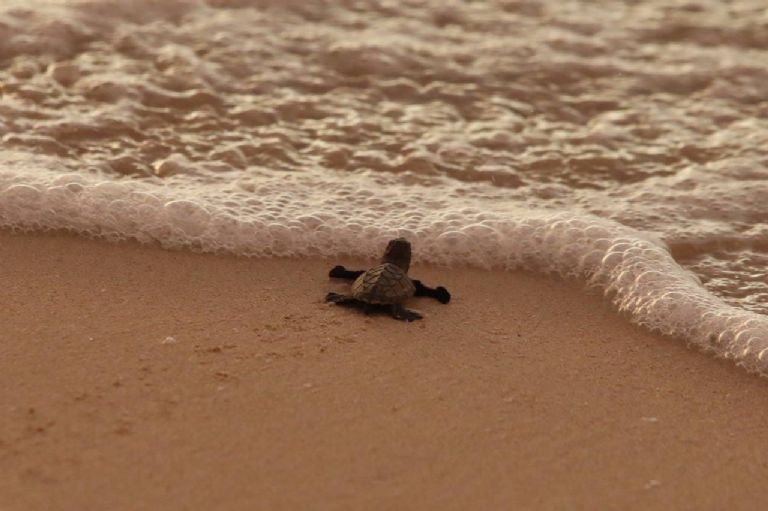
{"x": 385, "y": 284}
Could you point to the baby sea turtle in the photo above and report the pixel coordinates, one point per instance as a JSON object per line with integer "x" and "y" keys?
{"x": 386, "y": 285}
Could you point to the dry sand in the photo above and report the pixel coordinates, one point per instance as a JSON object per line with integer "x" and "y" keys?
{"x": 136, "y": 378}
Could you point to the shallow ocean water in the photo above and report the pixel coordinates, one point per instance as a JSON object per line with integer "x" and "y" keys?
{"x": 621, "y": 143}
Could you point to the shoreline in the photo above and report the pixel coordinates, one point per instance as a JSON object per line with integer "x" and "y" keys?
{"x": 133, "y": 376}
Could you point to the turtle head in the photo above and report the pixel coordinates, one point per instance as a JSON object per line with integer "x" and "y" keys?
{"x": 398, "y": 252}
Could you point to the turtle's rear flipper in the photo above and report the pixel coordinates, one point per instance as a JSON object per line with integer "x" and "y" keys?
{"x": 340, "y": 299}
{"x": 404, "y": 314}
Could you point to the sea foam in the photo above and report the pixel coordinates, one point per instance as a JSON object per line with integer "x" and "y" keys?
{"x": 312, "y": 217}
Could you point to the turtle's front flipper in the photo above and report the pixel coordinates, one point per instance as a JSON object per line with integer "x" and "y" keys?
{"x": 339, "y": 272}
{"x": 401, "y": 313}
{"x": 439, "y": 293}
{"x": 340, "y": 299}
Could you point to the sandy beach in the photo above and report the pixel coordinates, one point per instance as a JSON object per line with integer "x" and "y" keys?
{"x": 137, "y": 378}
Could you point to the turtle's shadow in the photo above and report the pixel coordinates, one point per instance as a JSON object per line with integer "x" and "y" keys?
{"x": 367, "y": 308}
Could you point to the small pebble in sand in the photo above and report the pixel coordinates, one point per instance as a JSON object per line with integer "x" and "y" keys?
{"x": 653, "y": 483}
{"x": 649, "y": 419}
{"x": 169, "y": 340}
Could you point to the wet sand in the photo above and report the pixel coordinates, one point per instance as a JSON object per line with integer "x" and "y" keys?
{"x": 137, "y": 378}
